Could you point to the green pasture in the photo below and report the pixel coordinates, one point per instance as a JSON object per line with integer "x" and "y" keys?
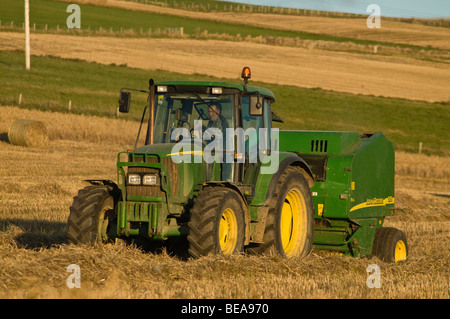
{"x": 53, "y": 13}
{"x": 94, "y": 89}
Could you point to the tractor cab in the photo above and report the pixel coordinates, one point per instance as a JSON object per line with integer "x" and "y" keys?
{"x": 227, "y": 124}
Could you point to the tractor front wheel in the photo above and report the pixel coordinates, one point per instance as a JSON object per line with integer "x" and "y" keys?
{"x": 217, "y": 223}
{"x": 91, "y": 216}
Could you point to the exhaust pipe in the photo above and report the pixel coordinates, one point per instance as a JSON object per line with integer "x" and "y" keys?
{"x": 151, "y": 118}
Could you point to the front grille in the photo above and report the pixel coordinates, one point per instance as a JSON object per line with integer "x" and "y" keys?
{"x": 141, "y": 190}
{"x": 155, "y": 190}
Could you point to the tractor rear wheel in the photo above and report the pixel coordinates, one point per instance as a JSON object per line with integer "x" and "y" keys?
{"x": 217, "y": 223}
{"x": 290, "y": 220}
{"x": 390, "y": 245}
{"x": 91, "y": 216}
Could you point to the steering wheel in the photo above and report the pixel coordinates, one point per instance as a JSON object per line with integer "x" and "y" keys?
{"x": 193, "y": 132}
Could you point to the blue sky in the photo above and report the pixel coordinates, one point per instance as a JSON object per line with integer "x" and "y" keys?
{"x": 391, "y": 8}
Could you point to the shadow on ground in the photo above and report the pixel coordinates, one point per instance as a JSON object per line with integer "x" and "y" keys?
{"x": 43, "y": 234}
{"x": 36, "y": 234}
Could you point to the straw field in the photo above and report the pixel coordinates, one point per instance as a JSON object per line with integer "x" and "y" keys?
{"x": 38, "y": 184}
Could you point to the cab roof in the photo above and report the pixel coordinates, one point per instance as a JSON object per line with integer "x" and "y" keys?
{"x": 190, "y": 86}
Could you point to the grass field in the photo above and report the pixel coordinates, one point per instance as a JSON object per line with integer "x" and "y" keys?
{"x": 37, "y": 189}
{"x": 53, "y": 14}
{"x": 427, "y": 34}
{"x": 122, "y": 18}
{"x": 93, "y": 89}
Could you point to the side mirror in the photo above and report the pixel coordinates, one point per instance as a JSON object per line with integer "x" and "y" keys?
{"x": 256, "y": 105}
{"x": 124, "y": 102}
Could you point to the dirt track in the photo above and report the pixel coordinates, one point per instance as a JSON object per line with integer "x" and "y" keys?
{"x": 339, "y": 71}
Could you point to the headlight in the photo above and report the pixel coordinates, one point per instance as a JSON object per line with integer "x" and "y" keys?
{"x": 216, "y": 90}
{"x": 134, "y": 179}
{"x": 161, "y": 89}
{"x": 149, "y": 179}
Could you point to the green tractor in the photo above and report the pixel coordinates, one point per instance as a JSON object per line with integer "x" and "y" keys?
{"x": 214, "y": 171}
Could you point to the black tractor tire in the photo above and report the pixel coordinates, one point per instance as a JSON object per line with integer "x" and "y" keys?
{"x": 92, "y": 215}
{"x": 289, "y": 229}
{"x": 390, "y": 245}
{"x": 217, "y": 223}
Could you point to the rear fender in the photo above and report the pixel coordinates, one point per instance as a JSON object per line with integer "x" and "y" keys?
{"x": 266, "y": 183}
{"x": 265, "y": 187}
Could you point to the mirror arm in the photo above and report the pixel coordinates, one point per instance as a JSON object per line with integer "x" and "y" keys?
{"x": 128, "y": 89}
{"x": 258, "y": 102}
{"x": 140, "y": 126}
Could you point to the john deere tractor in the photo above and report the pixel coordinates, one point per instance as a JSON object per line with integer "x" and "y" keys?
{"x": 214, "y": 171}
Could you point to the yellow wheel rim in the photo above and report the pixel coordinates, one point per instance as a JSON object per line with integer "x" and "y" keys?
{"x": 292, "y": 225}
{"x": 103, "y": 222}
{"x": 228, "y": 232}
{"x": 400, "y": 251}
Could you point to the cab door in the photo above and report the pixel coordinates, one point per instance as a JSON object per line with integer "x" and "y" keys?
{"x": 256, "y": 137}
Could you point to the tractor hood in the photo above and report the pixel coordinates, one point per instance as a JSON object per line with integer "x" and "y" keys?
{"x": 162, "y": 150}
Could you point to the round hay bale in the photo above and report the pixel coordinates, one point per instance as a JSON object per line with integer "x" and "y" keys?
{"x": 28, "y": 133}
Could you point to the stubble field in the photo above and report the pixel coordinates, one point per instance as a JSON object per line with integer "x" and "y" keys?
{"x": 37, "y": 189}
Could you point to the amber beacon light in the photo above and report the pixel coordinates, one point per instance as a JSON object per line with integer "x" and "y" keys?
{"x": 246, "y": 73}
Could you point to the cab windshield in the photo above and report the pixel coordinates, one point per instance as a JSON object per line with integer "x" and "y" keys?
{"x": 180, "y": 110}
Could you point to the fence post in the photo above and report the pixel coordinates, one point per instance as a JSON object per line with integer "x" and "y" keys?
{"x": 27, "y": 34}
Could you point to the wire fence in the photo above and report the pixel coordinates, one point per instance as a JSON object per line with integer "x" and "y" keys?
{"x": 93, "y": 30}
{"x": 198, "y": 33}
{"x": 244, "y": 8}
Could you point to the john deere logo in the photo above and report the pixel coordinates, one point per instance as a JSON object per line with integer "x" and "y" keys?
{"x": 373, "y": 202}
